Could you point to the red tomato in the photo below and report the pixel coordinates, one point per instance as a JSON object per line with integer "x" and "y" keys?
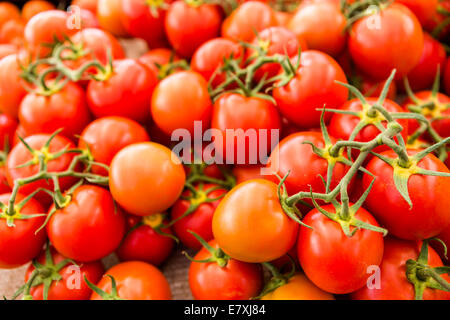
{"x": 249, "y": 18}
{"x": 235, "y": 281}
{"x": 20, "y": 243}
{"x": 447, "y": 77}
{"x": 209, "y": 57}
{"x": 8, "y": 11}
{"x": 146, "y": 178}
{"x": 12, "y": 32}
{"x": 425, "y": 10}
{"x": 105, "y": 137}
{"x": 244, "y": 173}
{"x": 7, "y": 49}
{"x": 312, "y": 87}
{"x": 378, "y": 43}
{"x": 71, "y": 284}
{"x": 144, "y": 243}
{"x": 333, "y": 261}
{"x": 90, "y": 5}
{"x": 32, "y": 8}
{"x": 321, "y": 25}
{"x": 4, "y": 186}
{"x": 89, "y": 228}
{"x": 160, "y": 56}
{"x": 135, "y": 281}
{"x": 109, "y": 14}
{"x": 198, "y": 221}
{"x": 394, "y": 284}
{"x": 429, "y": 213}
{"x": 373, "y": 88}
{"x": 118, "y": 96}
{"x": 250, "y": 225}
{"x": 179, "y": 100}
{"x": 8, "y": 126}
{"x": 189, "y": 26}
{"x": 65, "y": 109}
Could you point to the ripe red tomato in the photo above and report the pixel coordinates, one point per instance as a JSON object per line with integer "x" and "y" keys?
{"x": 257, "y": 117}
{"x": 188, "y": 26}
{"x": 179, "y": 100}
{"x": 235, "y": 281}
{"x": 90, "y": 5}
{"x": 12, "y": 32}
{"x": 394, "y": 284}
{"x": 32, "y": 8}
{"x": 8, "y": 126}
{"x": 158, "y": 60}
{"x": 250, "y": 225}
{"x": 333, "y": 261}
{"x": 322, "y": 25}
{"x": 198, "y": 221}
{"x": 447, "y": 77}
{"x": 378, "y": 43}
{"x": 439, "y": 20}
{"x": 244, "y": 173}
{"x": 146, "y": 178}
{"x": 118, "y": 96}
{"x": 109, "y": 14}
{"x": 7, "y": 49}
{"x": 89, "y": 228}
{"x": 71, "y": 284}
{"x": 425, "y": 10}
{"x": 8, "y": 11}
{"x": 312, "y": 87}
{"x": 65, "y": 109}
{"x": 429, "y": 213}
{"x": 249, "y": 18}
{"x": 144, "y": 243}
{"x": 135, "y": 280}
{"x": 20, "y": 243}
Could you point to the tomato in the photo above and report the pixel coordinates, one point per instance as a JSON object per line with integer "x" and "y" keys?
{"x": 244, "y": 173}
{"x": 11, "y": 85}
{"x": 32, "y": 8}
{"x": 248, "y": 19}
{"x": 7, "y": 49}
{"x": 105, "y": 137}
{"x": 373, "y": 88}
{"x": 8, "y": 11}
{"x": 159, "y": 60}
{"x": 439, "y": 21}
{"x": 109, "y": 14}
{"x": 250, "y": 225}
{"x": 236, "y": 280}
{"x": 424, "y": 73}
{"x": 188, "y": 26}
{"x": 425, "y": 10}
{"x": 210, "y": 56}
{"x": 322, "y": 25}
{"x": 71, "y": 284}
{"x": 333, "y": 261}
{"x": 20, "y": 155}
{"x": 305, "y": 167}
{"x": 4, "y": 186}
{"x": 377, "y": 43}
{"x": 146, "y": 178}
{"x": 89, "y": 227}
{"x": 117, "y": 96}
{"x": 429, "y": 213}
{"x": 299, "y": 287}
{"x": 20, "y": 243}
{"x": 144, "y": 20}
{"x": 312, "y": 87}
{"x": 179, "y": 100}
{"x": 253, "y": 120}
{"x": 135, "y": 281}
{"x": 65, "y": 109}
{"x": 447, "y": 77}
{"x": 200, "y": 220}
{"x": 283, "y": 18}
{"x": 90, "y": 5}
{"x": 144, "y": 243}
{"x": 394, "y": 284}
{"x": 8, "y": 126}
{"x": 12, "y": 32}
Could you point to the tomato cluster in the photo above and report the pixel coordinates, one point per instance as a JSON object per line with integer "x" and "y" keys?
{"x": 351, "y": 203}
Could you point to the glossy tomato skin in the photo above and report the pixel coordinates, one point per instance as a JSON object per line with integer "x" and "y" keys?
{"x": 189, "y": 26}
{"x": 89, "y": 228}
{"x": 8, "y": 126}
{"x": 65, "y": 109}
{"x": 31, "y": 8}
{"x": 429, "y": 213}
{"x": 146, "y": 178}
{"x": 179, "y": 100}
{"x": 235, "y": 111}
{"x": 250, "y": 225}
{"x": 8, "y": 11}
{"x": 447, "y": 77}
{"x": 312, "y": 87}
{"x": 378, "y": 44}
{"x": 90, "y": 5}
{"x": 248, "y": 18}
{"x": 299, "y": 287}
{"x": 135, "y": 280}
{"x": 394, "y": 285}
{"x": 143, "y": 243}
{"x": 210, "y": 55}
{"x": 321, "y": 25}
{"x": 7, "y": 49}
{"x": 11, "y": 85}
{"x": 424, "y": 10}
{"x": 333, "y": 261}
{"x": 65, "y": 288}
{"x": 20, "y": 244}
{"x": 118, "y": 96}
{"x": 199, "y": 221}
{"x": 105, "y": 137}
{"x": 109, "y": 14}
{"x": 236, "y": 281}
{"x": 12, "y": 32}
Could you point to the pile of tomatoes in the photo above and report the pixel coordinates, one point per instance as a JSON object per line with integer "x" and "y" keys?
{"x": 352, "y": 203}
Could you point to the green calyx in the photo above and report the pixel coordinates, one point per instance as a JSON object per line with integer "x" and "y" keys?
{"x": 277, "y": 279}
{"x": 217, "y": 255}
{"x": 105, "y": 295}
